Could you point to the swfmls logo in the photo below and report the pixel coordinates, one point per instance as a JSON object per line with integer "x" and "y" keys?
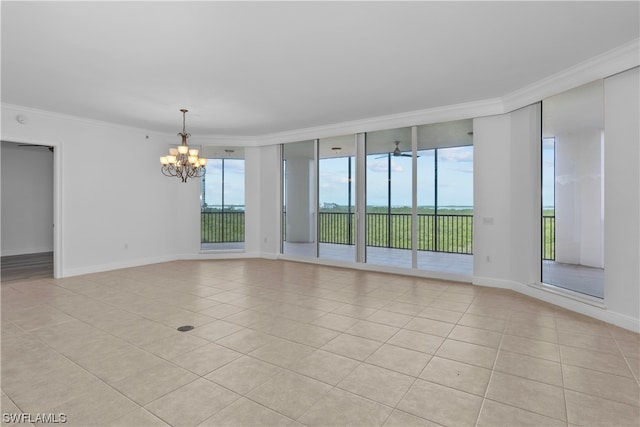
{"x": 41, "y": 418}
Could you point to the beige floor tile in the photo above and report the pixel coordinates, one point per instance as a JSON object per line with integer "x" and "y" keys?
{"x": 366, "y": 381}
{"x": 138, "y": 418}
{"x": 532, "y": 368}
{"x": 476, "y": 336}
{"x": 142, "y": 332}
{"x": 629, "y": 348}
{"x": 289, "y": 393}
{"x": 282, "y": 353}
{"x": 440, "y": 404}
{"x": 115, "y": 368}
{"x": 587, "y": 410}
{"x": 341, "y": 408}
{"x": 147, "y": 385}
{"x": 357, "y": 311}
{"x": 399, "y": 359}
{"x": 324, "y": 366}
{"x": 431, "y": 327}
{"x": 440, "y": 314}
{"x": 539, "y": 333}
{"x": 389, "y": 318}
{"x": 245, "y": 340}
{"x": 215, "y": 330}
{"x": 483, "y": 322}
{"x": 96, "y": 407}
{"x": 221, "y": 311}
{"x": 446, "y": 304}
{"x": 311, "y": 335}
{"x": 612, "y": 387}
{"x": 404, "y": 308}
{"x": 335, "y": 322}
{"x": 402, "y": 419}
{"x": 590, "y": 342}
{"x": 37, "y": 317}
{"x": 351, "y": 346}
{"x": 496, "y": 414}
{"x": 205, "y": 359}
{"x": 372, "y": 331}
{"x": 467, "y": 353}
{"x": 191, "y": 404}
{"x": 246, "y": 413}
{"x": 416, "y": 341}
{"x": 175, "y": 345}
{"x": 244, "y": 374}
{"x": 598, "y": 361}
{"x": 541, "y": 349}
{"x": 526, "y": 394}
{"x": 461, "y": 376}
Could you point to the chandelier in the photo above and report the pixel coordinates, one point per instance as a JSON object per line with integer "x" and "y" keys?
{"x": 183, "y": 162}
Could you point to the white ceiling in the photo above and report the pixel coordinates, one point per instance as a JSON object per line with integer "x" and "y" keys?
{"x": 256, "y": 68}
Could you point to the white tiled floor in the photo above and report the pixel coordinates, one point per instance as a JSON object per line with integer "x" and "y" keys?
{"x": 285, "y": 343}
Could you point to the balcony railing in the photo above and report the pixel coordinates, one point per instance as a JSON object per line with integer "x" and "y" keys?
{"x": 437, "y": 233}
{"x": 221, "y": 226}
{"x": 548, "y": 237}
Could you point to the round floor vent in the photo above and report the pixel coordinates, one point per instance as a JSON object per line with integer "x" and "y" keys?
{"x": 185, "y": 328}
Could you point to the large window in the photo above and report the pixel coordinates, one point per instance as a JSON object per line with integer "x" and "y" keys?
{"x": 389, "y": 197}
{"x": 222, "y": 200}
{"x": 573, "y": 190}
{"x": 336, "y": 198}
{"x": 445, "y": 196}
{"x": 374, "y": 206}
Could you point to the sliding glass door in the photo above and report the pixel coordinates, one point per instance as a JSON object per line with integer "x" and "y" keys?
{"x": 389, "y": 197}
{"x": 336, "y": 198}
{"x": 412, "y": 206}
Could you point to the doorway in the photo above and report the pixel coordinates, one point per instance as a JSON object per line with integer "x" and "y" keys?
{"x": 27, "y": 211}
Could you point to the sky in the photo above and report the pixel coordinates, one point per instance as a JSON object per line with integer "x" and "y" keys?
{"x": 455, "y": 179}
{"x": 233, "y": 182}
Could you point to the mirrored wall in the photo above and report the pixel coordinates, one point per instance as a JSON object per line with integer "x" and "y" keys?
{"x": 573, "y": 190}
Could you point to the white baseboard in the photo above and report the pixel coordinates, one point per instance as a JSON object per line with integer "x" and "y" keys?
{"x": 27, "y": 251}
{"x": 69, "y": 272}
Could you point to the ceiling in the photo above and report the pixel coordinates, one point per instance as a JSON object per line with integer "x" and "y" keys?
{"x": 258, "y": 68}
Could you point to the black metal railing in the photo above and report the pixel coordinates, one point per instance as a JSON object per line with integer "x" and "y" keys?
{"x": 437, "y": 233}
{"x": 548, "y": 237}
{"x": 221, "y": 226}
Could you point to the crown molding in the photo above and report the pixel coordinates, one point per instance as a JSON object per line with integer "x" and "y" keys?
{"x": 411, "y": 118}
{"x": 604, "y": 65}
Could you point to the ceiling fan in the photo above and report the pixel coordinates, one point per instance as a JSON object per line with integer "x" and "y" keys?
{"x": 396, "y": 152}
{"x": 36, "y": 145}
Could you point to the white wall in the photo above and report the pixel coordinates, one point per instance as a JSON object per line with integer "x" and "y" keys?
{"x": 117, "y": 209}
{"x": 579, "y": 201}
{"x": 27, "y": 199}
{"x": 622, "y": 195}
{"x": 491, "y": 204}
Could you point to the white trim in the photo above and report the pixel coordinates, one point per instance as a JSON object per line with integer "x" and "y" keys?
{"x": 432, "y": 115}
{"x": 27, "y": 251}
{"x": 617, "y": 60}
{"x": 98, "y": 268}
{"x": 612, "y": 62}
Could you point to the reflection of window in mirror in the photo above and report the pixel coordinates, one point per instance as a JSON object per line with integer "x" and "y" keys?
{"x": 573, "y": 190}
